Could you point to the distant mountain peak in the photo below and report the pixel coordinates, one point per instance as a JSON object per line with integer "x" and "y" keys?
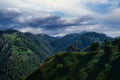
{"x": 83, "y": 32}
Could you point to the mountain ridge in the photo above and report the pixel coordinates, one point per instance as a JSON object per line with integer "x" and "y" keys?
{"x": 21, "y": 53}
{"x": 15, "y": 30}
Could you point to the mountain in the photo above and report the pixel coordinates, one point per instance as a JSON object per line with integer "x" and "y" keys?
{"x": 103, "y": 64}
{"x": 18, "y": 52}
{"x": 21, "y": 53}
{"x": 79, "y": 40}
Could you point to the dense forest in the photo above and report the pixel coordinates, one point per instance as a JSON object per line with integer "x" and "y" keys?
{"x": 100, "y": 62}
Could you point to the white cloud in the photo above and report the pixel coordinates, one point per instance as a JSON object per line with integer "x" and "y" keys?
{"x": 33, "y": 30}
{"x": 112, "y": 17}
{"x": 110, "y": 20}
{"x": 113, "y": 33}
{"x": 96, "y": 1}
{"x": 70, "y": 7}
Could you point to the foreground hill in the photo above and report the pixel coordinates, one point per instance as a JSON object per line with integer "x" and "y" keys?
{"x": 101, "y": 63}
{"x": 21, "y": 53}
{"x": 79, "y": 66}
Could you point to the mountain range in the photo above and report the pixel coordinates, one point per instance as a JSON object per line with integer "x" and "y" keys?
{"x": 22, "y": 53}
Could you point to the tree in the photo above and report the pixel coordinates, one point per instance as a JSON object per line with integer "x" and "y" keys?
{"x": 108, "y": 48}
{"x": 60, "y": 66}
{"x": 71, "y": 48}
{"x": 95, "y": 46}
{"x": 116, "y": 43}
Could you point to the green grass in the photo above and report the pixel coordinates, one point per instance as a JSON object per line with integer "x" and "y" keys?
{"x": 72, "y": 53}
{"x": 80, "y": 53}
{"x": 10, "y": 37}
{"x": 17, "y": 50}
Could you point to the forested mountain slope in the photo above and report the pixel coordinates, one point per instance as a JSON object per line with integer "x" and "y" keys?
{"x": 101, "y": 63}
{"x": 21, "y": 53}
{"x": 80, "y": 40}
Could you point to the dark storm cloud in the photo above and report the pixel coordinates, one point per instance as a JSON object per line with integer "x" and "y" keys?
{"x": 56, "y": 22}
{"x": 14, "y": 19}
{"x": 8, "y": 18}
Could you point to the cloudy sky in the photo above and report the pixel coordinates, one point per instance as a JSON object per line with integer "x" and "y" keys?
{"x": 60, "y": 17}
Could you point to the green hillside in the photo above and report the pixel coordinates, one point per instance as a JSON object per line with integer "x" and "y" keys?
{"x": 21, "y": 54}
{"x": 102, "y": 64}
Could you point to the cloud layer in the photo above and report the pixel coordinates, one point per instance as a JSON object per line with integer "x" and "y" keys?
{"x": 59, "y": 17}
